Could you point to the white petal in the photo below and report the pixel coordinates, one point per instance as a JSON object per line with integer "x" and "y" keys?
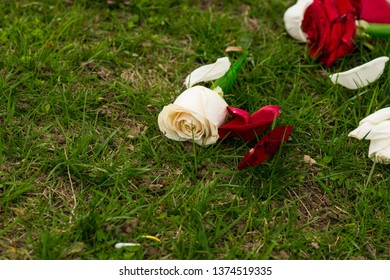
{"x": 208, "y": 72}
{"x": 379, "y": 146}
{"x": 362, "y": 75}
{"x": 377, "y": 117}
{"x": 383, "y": 156}
{"x": 380, "y": 151}
{"x": 204, "y": 102}
{"x": 372, "y": 131}
{"x": 165, "y": 122}
{"x": 360, "y": 132}
{"x": 293, "y": 19}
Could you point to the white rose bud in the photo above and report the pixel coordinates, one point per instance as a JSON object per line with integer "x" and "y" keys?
{"x": 376, "y": 127}
{"x": 195, "y": 115}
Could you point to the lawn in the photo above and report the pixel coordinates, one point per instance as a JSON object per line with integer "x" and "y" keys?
{"x": 84, "y": 165}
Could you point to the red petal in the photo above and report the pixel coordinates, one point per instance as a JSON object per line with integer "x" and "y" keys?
{"x": 266, "y": 148}
{"x": 375, "y": 11}
{"x": 239, "y": 118}
{"x": 266, "y": 113}
{"x": 348, "y": 6}
{"x": 249, "y": 129}
{"x": 238, "y": 114}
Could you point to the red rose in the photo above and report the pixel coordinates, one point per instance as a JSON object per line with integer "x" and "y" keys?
{"x": 330, "y": 28}
{"x": 248, "y": 127}
{"x": 375, "y": 11}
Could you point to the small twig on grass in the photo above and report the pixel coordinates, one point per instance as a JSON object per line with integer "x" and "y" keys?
{"x": 304, "y": 206}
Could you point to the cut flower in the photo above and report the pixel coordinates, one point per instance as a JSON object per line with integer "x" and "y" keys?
{"x": 195, "y": 115}
{"x": 197, "y": 112}
{"x": 330, "y": 27}
{"x": 362, "y": 75}
{"x": 376, "y": 127}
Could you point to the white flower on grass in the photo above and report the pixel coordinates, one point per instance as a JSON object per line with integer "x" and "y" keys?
{"x": 362, "y": 75}
{"x": 293, "y": 19}
{"x": 198, "y": 112}
{"x": 376, "y": 127}
{"x": 208, "y": 72}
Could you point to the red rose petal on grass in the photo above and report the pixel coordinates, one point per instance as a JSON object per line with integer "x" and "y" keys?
{"x": 375, "y": 11}
{"x": 248, "y": 127}
{"x": 266, "y": 148}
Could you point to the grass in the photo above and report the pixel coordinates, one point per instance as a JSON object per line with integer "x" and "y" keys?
{"x": 84, "y": 165}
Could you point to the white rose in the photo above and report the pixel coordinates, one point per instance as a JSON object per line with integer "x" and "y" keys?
{"x": 376, "y": 127}
{"x": 195, "y": 115}
{"x": 293, "y": 19}
{"x": 198, "y": 112}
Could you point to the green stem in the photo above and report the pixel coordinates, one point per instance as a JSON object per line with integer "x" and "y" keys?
{"x": 378, "y": 30}
{"x": 226, "y": 81}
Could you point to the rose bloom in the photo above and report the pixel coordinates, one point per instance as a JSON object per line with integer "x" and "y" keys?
{"x": 195, "y": 115}
{"x": 376, "y": 128}
{"x": 330, "y": 27}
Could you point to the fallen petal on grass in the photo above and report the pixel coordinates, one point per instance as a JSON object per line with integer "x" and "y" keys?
{"x": 208, "y": 72}
{"x": 266, "y": 148}
{"x": 362, "y": 75}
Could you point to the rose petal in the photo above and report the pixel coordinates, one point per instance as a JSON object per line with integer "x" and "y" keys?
{"x": 293, "y": 19}
{"x": 248, "y": 127}
{"x": 377, "y": 117}
{"x": 208, "y": 72}
{"x": 382, "y": 156}
{"x": 266, "y": 148}
{"x": 372, "y": 131}
{"x": 376, "y": 127}
{"x": 362, "y": 75}
{"x": 377, "y": 146}
{"x": 375, "y": 11}
{"x": 238, "y": 116}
